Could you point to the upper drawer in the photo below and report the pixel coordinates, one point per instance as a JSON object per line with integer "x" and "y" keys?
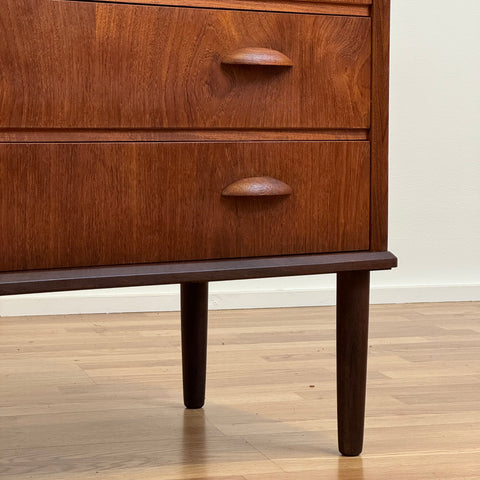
{"x": 87, "y": 65}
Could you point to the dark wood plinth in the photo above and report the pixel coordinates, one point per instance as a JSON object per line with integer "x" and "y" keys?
{"x": 38, "y": 281}
{"x": 353, "y": 273}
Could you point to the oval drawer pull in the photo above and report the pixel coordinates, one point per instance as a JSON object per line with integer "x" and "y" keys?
{"x": 257, "y": 56}
{"x": 257, "y": 187}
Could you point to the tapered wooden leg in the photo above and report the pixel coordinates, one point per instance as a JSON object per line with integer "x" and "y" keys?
{"x": 194, "y": 306}
{"x": 352, "y": 347}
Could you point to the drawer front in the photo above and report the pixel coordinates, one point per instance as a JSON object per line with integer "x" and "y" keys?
{"x": 66, "y": 205}
{"x": 88, "y": 65}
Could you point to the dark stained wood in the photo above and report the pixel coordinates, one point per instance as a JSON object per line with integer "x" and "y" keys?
{"x": 14, "y": 283}
{"x": 72, "y": 205}
{"x": 352, "y": 348}
{"x": 100, "y": 65}
{"x": 379, "y": 130}
{"x": 257, "y": 187}
{"x": 333, "y": 7}
{"x": 194, "y": 314}
{"x": 179, "y": 135}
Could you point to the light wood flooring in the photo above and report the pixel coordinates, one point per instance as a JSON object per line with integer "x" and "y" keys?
{"x": 99, "y": 397}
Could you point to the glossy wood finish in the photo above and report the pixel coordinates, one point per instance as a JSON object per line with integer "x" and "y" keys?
{"x": 257, "y": 187}
{"x": 67, "y": 205}
{"x": 115, "y": 63}
{"x": 120, "y": 71}
{"x": 352, "y": 348}
{"x": 14, "y": 283}
{"x": 333, "y": 7}
{"x": 194, "y": 313}
{"x": 255, "y": 56}
{"x": 379, "y": 128}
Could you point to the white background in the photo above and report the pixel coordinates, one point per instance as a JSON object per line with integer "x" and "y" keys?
{"x": 434, "y": 182}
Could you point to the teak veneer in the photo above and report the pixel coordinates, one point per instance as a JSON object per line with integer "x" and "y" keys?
{"x": 190, "y": 141}
{"x": 109, "y": 66}
{"x": 117, "y": 203}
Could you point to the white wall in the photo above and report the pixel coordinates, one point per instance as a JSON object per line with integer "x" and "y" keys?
{"x": 435, "y": 143}
{"x": 434, "y": 186}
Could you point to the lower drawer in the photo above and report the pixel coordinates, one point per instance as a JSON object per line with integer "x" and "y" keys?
{"x": 67, "y": 205}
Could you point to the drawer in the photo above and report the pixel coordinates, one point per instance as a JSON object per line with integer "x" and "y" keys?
{"x": 66, "y": 205}
{"x": 95, "y": 65}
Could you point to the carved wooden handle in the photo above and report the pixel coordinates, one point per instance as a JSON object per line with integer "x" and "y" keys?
{"x": 257, "y": 56}
{"x": 257, "y": 187}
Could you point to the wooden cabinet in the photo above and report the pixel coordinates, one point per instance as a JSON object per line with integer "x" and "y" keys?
{"x": 189, "y": 141}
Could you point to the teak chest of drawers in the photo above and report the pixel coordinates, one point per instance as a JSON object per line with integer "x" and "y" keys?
{"x": 188, "y": 141}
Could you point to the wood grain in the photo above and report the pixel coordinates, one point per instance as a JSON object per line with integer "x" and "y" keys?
{"x": 67, "y": 205}
{"x": 15, "y": 283}
{"x": 100, "y": 396}
{"x": 118, "y": 72}
{"x": 379, "y": 128}
{"x": 353, "y": 290}
{"x": 334, "y": 7}
{"x": 86, "y": 65}
{"x": 257, "y": 187}
{"x": 258, "y": 57}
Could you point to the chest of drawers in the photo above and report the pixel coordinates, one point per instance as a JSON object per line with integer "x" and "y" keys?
{"x": 189, "y": 141}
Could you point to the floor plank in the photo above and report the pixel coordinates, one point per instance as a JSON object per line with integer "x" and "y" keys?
{"x": 99, "y": 396}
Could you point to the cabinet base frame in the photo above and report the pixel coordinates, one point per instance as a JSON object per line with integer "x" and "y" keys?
{"x": 353, "y": 285}
{"x": 58, "y": 280}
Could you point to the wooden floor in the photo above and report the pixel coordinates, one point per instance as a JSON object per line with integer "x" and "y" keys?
{"x": 99, "y": 397}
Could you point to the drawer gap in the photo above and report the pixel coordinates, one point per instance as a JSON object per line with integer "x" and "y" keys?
{"x": 180, "y": 135}
{"x": 358, "y": 8}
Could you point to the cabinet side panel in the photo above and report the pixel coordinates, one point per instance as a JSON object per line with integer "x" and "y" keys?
{"x": 379, "y": 128}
